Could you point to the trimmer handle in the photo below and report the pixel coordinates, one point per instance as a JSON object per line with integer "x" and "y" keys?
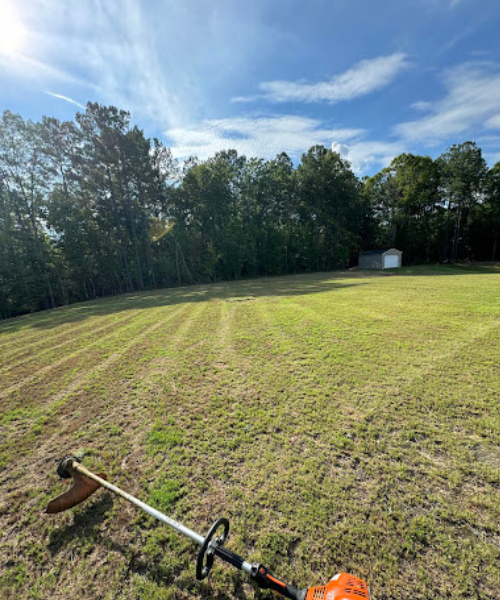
{"x": 341, "y": 587}
{"x": 208, "y": 548}
{"x": 266, "y": 580}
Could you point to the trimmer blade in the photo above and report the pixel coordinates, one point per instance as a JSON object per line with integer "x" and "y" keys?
{"x": 82, "y": 488}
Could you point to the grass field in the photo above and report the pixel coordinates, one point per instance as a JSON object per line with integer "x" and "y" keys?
{"x": 342, "y": 421}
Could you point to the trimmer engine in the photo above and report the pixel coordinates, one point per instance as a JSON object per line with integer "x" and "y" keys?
{"x": 341, "y": 587}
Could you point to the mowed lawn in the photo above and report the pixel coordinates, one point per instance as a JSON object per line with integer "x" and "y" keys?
{"x": 341, "y": 421}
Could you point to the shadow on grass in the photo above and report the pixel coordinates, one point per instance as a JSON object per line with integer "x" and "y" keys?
{"x": 291, "y": 285}
{"x": 242, "y": 290}
{"x": 85, "y": 529}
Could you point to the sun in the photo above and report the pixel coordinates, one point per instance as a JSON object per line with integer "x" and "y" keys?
{"x": 12, "y": 32}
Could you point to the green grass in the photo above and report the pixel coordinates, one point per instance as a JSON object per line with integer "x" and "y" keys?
{"x": 163, "y": 436}
{"x": 164, "y": 494}
{"x": 341, "y": 421}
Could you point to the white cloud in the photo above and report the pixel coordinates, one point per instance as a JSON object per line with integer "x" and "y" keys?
{"x": 493, "y": 122}
{"x": 421, "y": 105}
{"x": 255, "y": 136}
{"x": 471, "y": 103}
{"x": 480, "y": 53}
{"x": 366, "y": 155}
{"x": 266, "y": 137}
{"x": 66, "y": 99}
{"x": 364, "y": 77}
{"x": 245, "y": 99}
{"x": 116, "y": 49}
{"x": 29, "y": 68}
{"x": 169, "y": 64}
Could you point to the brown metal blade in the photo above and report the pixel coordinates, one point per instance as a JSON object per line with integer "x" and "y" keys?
{"x": 82, "y": 488}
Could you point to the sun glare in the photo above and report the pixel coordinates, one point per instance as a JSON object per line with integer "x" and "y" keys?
{"x": 12, "y": 32}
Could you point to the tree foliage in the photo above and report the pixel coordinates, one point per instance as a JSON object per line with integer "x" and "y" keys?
{"x": 92, "y": 207}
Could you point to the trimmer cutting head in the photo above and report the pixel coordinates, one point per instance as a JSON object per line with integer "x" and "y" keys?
{"x": 82, "y": 488}
{"x": 342, "y": 587}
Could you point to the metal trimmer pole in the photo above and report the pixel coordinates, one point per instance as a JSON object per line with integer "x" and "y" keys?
{"x": 341, "y": 587}
{"x": 86, "y": 483}
{"x": 196, "y": 537}
{"x": 73, "y": 465}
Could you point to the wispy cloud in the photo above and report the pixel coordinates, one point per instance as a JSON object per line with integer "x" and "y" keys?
{"x": 476, "y": 54}
{"x": 255, "y": 136}
{"x": 493, "y": 122}
{"x": 266, "y": 137}
{"x": 29, "y": 68}
{"x": 113, "y": 49}
{"x": 66, "y": 99}
{"x": 470, "y": 105}
{"x": 421, "y": 105}
{"x": 369, "y": 154}
{"x": 118, "y": 50}
{"x": 442, "y": 3}
{"x": 364, "y": 77}
{"x": 160, "y": 62}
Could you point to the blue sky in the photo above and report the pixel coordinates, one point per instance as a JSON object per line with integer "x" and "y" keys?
{"x": 369, "y": 78}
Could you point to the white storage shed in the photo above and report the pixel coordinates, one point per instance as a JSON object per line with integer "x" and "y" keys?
{"x": 385, "y": 258}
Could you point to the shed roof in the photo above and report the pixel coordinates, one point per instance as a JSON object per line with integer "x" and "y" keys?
{"x": 379, "y": 251}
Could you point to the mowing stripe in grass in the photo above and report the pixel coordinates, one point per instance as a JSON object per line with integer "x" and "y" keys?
{"x": 35, "y": 377}
{"x": 28, "y": 334}
{"x": 23, "y": 329}
{"x": 92, "y": 375}
{"x": 136, "y": 387}
{"x": 67, "y": 329}
{"x": 109, "y": 404}
{"x": 123, "y": 331}
{"x": 84, "y": 333}
{"x": 299, "y": 422}
{"x": 95, "y": 373}
{"x": 44, "y": 340}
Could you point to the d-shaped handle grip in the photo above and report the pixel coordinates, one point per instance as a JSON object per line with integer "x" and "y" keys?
{"x": 208, "y": 550}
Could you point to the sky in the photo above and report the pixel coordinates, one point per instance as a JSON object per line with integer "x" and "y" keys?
{"x": 370, "y": 79}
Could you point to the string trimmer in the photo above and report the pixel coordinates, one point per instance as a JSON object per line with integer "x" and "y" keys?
{"x": 342, "y": 587}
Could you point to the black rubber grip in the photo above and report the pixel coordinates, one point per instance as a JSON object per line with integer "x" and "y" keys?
{"x": 266, "y": 580}
{"x": 231, "y": 557}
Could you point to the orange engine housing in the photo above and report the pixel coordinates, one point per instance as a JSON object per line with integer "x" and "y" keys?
{"x": 342, "y": 587}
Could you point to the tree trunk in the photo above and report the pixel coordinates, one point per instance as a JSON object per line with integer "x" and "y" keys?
{"x": 134, "y": 237}
{"x": 150, "y": 261}
{"x": 149, "y": 252}
{"x": 130, "y": 286}
{"x": 130, "y": 216}
{"x": 177, "y": 262}
{"x": 42, "y": 261}
{"x": 456, "y": 236}
{"x": 447, "y": 233}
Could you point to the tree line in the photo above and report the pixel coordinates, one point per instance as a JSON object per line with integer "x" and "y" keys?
{"x": 91, "y": 207}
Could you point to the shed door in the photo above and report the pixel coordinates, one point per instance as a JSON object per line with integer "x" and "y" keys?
{"x": 391, "y": 261}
